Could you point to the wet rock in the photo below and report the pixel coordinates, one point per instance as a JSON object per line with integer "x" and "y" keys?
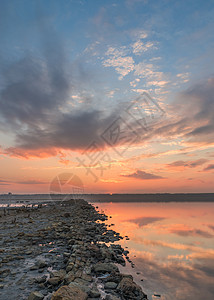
{"x": 40, "y": 279}
{"x": 4, "y": 273}
{"x": 84, "y": 288}
{"x": 36, "y": 296}
{"x": 120, "y": 260}
{"x": 105, "y": 268}
{"x": 94, "y": 293}
{"x": 87, "y": 277}
{"x": 69, "y": 293}
{"x": 60, "y": 274}
{"x": 41, "y": 264}
{"x": 110, "y": 285}
{"x": 69, "y": 267}
{"x": 130, "y": 290}
{"x": 69, "y": 277}
{"x": 54, "y": 280}
{"x": 112, "y": 297}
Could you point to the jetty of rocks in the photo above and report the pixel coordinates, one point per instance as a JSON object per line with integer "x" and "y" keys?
{"x": 62, "y": 251}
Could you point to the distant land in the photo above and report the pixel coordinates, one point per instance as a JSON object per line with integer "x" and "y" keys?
{"x": 114, "y": 198}
{"x": 208, "y": 197}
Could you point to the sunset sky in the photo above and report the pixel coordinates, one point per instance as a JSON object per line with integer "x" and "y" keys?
{"x": 115, "y": 96}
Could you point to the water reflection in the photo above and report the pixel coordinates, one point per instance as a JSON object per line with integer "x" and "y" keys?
{"x": 145, "y": 220}
{"x": 172, "y": 246}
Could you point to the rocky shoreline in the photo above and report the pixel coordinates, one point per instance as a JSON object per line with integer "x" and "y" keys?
{"x": 62, "y": 252}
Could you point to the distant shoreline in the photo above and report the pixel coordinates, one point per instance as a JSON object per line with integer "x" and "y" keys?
{"x": 114, "y": 198}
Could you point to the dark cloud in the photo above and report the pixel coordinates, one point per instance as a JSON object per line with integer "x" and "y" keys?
{"x": 37, "y": 110}
{"x": 31, "y": 182}
{"x": 145, "y": 220}
{"x": 34, "y": 102}
{"x": 197, "y": 105}
{"x": 209, "y": 167}
{"x": 191, "y": 117}
{"x": 211, "y": 226}
{"x": 208, "y": 269}
{"x": 4, "y": 182}
{"x": 189, "y": 164}
{"x": 142, "y": 175}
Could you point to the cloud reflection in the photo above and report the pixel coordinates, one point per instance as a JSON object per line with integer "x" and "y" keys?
{"x": 191, "y": 232}
{"x": 178, "y": 280}
{"x": 143, "y": 221}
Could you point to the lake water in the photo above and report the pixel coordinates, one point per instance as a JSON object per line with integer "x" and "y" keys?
{"x": 171, "y": 244}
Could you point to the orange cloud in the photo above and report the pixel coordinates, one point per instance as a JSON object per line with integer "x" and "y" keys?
{"x": 30, "y": 153}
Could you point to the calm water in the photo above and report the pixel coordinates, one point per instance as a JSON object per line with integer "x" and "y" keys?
{"x": 171, "y": 244}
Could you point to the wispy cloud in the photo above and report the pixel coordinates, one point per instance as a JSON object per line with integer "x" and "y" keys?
{"x": 119, "y": 59}
{"x": 4, "y": 182}
{"x": 151, "y": 73}
{"x": 183, "y": 76}
{"x": 187, "y": 164}
{"x": 140, "y": 47}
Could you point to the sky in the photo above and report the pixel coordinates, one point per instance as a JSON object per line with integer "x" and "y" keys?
{"x": 106, "y": 96}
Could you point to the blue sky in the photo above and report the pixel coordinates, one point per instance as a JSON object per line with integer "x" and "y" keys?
{"x": 68, "y": 69}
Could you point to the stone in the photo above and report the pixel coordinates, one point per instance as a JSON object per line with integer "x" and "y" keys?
{"x": 69, "y": 293}
{"x": 87, "y": 277}
{"x": 84, "y": 288}
{"x": 112, "y": 297}
{"x": 34, "y": 267}
{"x": 69, "y": 277}
{"x": 40, "y": 279}
{"x": 69, "y": 267}
{"x": 41, "y": 264}
{"x": 105, "y": 268}
{"x": 54, "y": 280}
{"x": 110, "y": 285}
{"x": 36, "y": 296}
{"x": 81, "y": 281}
{"x": 94, "y": 293}
{"x": 129, "y": 289}
{"x": 60, "y": 274}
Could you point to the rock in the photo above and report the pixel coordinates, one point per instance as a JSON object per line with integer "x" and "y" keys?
{"x": 34, "y": 267}
{"x": 67, "y": 215}
{"x": 84, "y": 288}
{"x": 110, "y": 285}
{"x": 40, "y": 279}
{"x": 69, "y": 277}
{"x": 129, "y": 289}
{"x": 69, "y": 293}
{"x": 41, "y": 264}
{"x": 87, "y": 277}
{"x": 4, "y": 273}
{"x": 54, "y": 280}
{"x": 112, "y": 297}
{"x": 81, "y": 281}
{"x": 60, "y": 274}
{"x": 1, "y": 286}
{"x": 36, "y": 296}
{"x": 94, "y": 293}
{"x": 69, "y": 267}
{"x": 105, "y": 268}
